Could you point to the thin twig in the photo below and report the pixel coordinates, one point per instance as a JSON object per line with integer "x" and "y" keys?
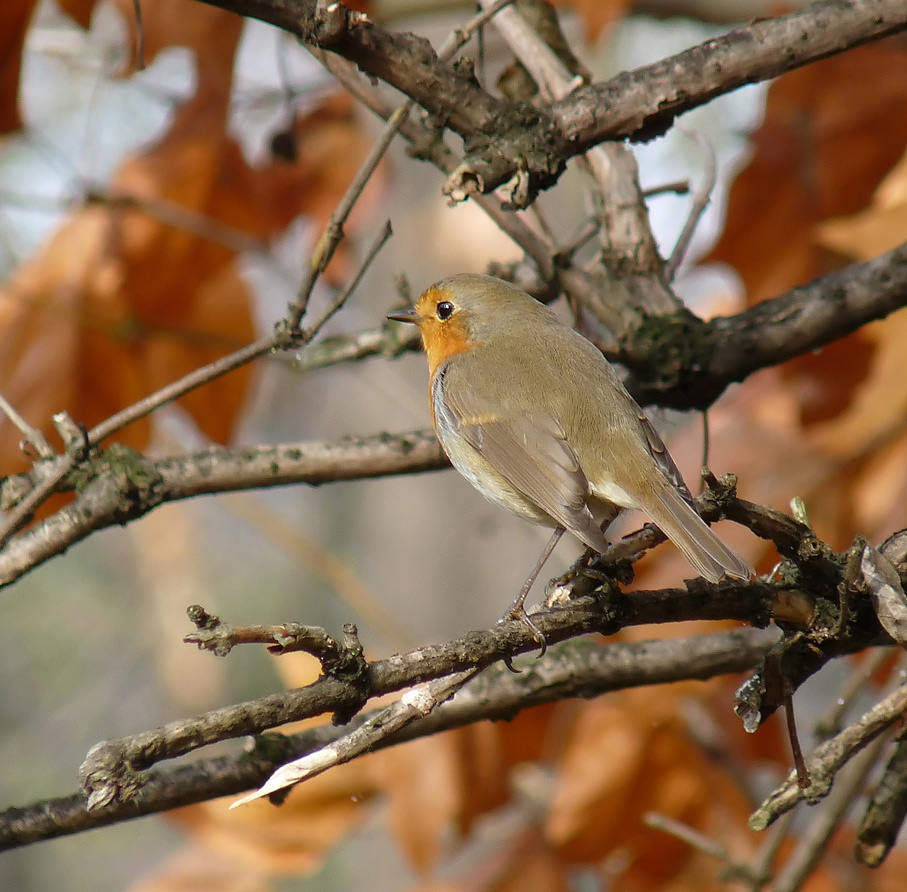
{"x": 854, "y": 685}
{"x": 24, "y": 510}
{"x": 333, "y": 233}
{"x": 140, "y": 35}
{"x": 816, "y": 837}
{"x": 324, "y": 250}
{"x": 370, "y": 96}
{"x": 415, "y": 704}
{"x": 588, "y": 231}
{"x": 32, "y": 435}
{"x": 383, "y": 341}
{"x": 677, "y": 187}
{"x": 796, "y": 750}
{"x": 701, "y": 198}
{"x": 581, "y": 669}
{"x": 733, "y": 868}
{"x": 377, "y": 244}
{"x": 761, "y": 868}
{"x": 827, "y": 759}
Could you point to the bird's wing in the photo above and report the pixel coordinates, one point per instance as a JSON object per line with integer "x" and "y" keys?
{"x": 661, "y": 455}
{"x": 530, "y": 451}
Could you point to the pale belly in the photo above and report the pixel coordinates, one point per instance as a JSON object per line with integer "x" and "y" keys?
{"x": 487, "y": 481}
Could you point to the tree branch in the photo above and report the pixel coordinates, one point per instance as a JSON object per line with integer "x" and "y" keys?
{"x": 681, "y": 362}
{"x": 580, "y": 669}
{"x": 126, "y": 486}
{"x": 643, "y": 103}
{"x": 501, "y": 136}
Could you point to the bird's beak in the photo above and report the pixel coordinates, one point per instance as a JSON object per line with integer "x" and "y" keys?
{"x": 407, "y": 315}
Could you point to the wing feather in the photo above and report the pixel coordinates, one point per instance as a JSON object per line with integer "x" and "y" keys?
{"x": 530, "y": 451}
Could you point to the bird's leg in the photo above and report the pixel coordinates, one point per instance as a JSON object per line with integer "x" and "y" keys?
{"x": 517, "y": 611}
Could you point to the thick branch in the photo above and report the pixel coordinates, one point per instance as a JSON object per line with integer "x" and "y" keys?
{"x": 579, "y": 669}
{"x": 400, "y": 59}
{"x": 131, "y": 488}
{"x": 643, "y": 103}
{"x": 728, "y": 349}
{"x": 638, "y": 104}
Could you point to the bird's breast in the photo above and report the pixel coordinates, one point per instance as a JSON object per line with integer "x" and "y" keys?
{"x": 470, "y": 462}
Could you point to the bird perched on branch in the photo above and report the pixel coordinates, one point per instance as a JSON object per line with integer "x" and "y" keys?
{"x": 537, "y": 420}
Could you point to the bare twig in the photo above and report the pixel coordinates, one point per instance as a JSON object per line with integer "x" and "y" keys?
{"x": 21, "y": 514}
{"x": 803, "y": 779}
{"x": 734, "y": 869}
{"x": 761, "y": 868}
{"x": 854, "y": 685}
{"x": 678, "y": 187}
{"x": 33, "y": 437}
{"x": 817, "y": 835}
{"x": 417, "y": 703}
{"x": 582, "y": 670}
{"x": 828, "y": 758}
{"x": 384, "y": 341}
{"x": 333, "y": 232}
{"x": 140, "y": 35}
{"x": 701, "y": 198}
{"x": 884, "y": 817}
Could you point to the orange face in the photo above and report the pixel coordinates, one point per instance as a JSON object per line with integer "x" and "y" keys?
{"x": 443, "y": 327}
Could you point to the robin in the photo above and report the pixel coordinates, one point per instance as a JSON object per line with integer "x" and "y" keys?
{"x": 537, "y": 420}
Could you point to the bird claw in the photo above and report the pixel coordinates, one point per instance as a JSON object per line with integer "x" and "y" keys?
{"x": 518, "y": 613}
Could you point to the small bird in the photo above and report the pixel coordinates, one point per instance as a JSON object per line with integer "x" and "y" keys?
{"x": 537, "y": 420}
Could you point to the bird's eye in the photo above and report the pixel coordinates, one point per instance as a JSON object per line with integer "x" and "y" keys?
{"x": 444, "y": 310}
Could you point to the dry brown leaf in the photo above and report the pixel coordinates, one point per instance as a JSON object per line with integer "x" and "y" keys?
{"x": 825, "y": 144}
{"x": 628, "y": 754}
{"x": 197, "y": 869}
{"x": 119, "y": 303}
{"x": 211, "y": 33}
{"x": 597, "y": 15}
{"x": 128, "y": 297}
{"x": 15, "y": 16}
{"x": 80, "y": 11}
{"x": 438, "y": 788}
{"x": 291, "y": 839}
{"x": 424, "y": 787}
{"x": 879, "y": 228}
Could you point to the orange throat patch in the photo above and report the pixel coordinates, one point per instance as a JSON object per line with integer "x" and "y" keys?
{"x": 442, "y": 339}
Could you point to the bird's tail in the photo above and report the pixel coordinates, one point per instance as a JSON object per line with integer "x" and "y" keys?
{"x": 677, "y": 519}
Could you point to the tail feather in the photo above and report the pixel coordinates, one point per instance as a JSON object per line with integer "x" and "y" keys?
{"x": 677, "y": 519}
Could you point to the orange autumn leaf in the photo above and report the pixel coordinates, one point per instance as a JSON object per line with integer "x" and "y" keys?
{"x": 135, "y": 292}
{"x": 424, "y": 786}
{"x": 291, "y": 839}
{"x": 628, "y": 754}
{"x": 596, "y": 15}
{"x": 440, "y": 786}
{"x": 194, "y": 869}
{"x": 80, "y": 11}
{"x": 825, "y": 144}
{"x": 120, "y": 302}
{"x": 15, "y": 16}
{"x": 876, "y": 229}
{"x": 209, "y": 32}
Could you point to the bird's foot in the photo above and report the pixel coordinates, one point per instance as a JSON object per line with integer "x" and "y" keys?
{"x": 518, "y": 612}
